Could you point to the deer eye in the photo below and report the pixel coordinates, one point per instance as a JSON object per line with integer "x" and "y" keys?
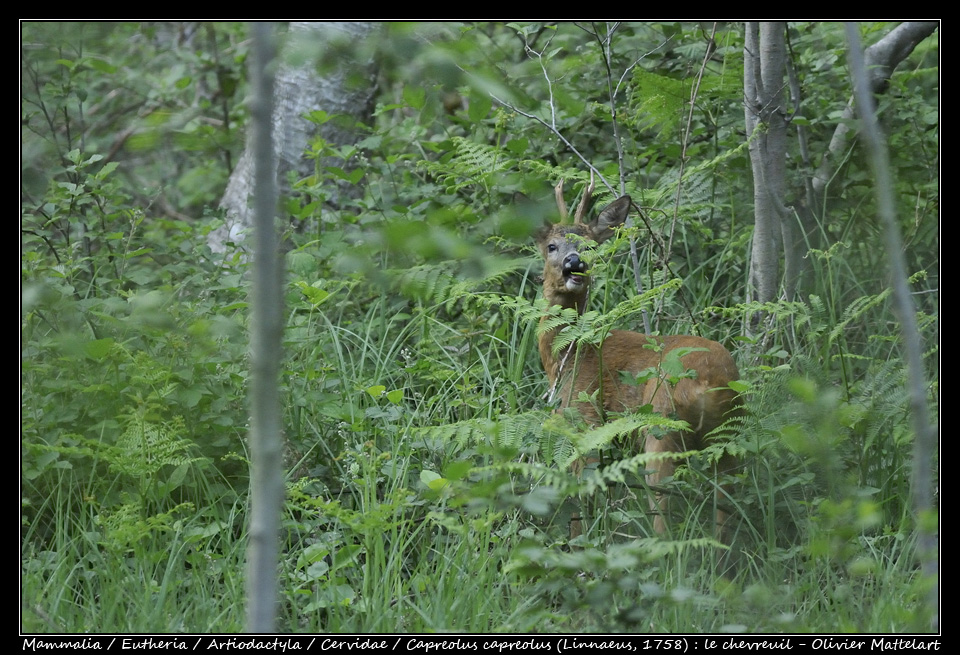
{"x": 551, "y": 247}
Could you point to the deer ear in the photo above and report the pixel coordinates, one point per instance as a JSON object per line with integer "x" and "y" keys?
{"x": 613, "y": 216}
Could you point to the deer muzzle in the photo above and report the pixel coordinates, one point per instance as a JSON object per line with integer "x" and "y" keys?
{"x": 574, "y": 271}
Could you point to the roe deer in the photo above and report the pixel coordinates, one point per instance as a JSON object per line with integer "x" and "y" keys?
{"x": 704, "y": 400}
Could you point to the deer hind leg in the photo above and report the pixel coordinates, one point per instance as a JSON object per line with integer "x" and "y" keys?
{"x": 659, "y": 501}
{"x": 725, "y": 466}
{"x": 576, "y": 525}
{"x": 661, "y": 470}
{"x": 576, "y": 518}
{"x": 662, "y": 399}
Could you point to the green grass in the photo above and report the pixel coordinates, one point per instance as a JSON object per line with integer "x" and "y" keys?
{"x": 399, "y": 518}
{"x": 427, "y": 486}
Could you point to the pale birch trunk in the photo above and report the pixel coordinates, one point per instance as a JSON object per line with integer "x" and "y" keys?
{"x": 345, "y": 87}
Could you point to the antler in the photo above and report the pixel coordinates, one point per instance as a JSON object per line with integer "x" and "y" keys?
{"x": 581, "y": 208}
{"x": 584, "y": 202}
{"x": 561, "y": 205}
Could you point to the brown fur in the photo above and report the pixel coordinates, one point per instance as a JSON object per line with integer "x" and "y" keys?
{"x": 704, "y": 401}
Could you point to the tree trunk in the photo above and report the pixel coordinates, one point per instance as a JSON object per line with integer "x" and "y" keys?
{"x": 765, "y": 114}
{"x": 776, "y": 225}
{"x": 344, "y": 88}
{"x": 925, "y": 432}
{"x": 266, "y": 329}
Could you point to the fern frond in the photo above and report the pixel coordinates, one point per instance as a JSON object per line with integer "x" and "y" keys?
{"x": 145, "y": 447}
{"x": 507, "y": 431}
{"x": 884, "y": 400}
{"x": 657, "y": 549}
{"x": 467, "y": 164}
{"x": 585, "y": 441}
{"x": 125, "y": 525}
{"x": 855, "y": 310}
{"x": 442, "y": 283}
{"x": 698, "y": 184}
{"x": 540, "y": 473}
{"x": 617, "y": 471}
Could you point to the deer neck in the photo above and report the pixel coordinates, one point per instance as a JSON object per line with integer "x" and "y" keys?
{"x": 553, "y": 363}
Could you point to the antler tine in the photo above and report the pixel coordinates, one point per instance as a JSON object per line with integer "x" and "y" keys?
{"x": 561, "y": 205}
{"x": 584, "y": 201}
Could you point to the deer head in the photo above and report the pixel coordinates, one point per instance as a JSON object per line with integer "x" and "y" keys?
{"x": 565, "y": 275}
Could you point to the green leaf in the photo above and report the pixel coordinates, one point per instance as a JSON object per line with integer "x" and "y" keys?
{"x": 101, "y": 66}
{"x": 318, "y": 117}
{"x": 313, "y": 294}
{"x": 98, "y": 349}
{"x": 415, "y": 96}
{"x": 518, "y": 146}
{"x": 433, "y": 480}
{"x": 346, "y": 556}
{"x": 479, "y": 107}
{"x": 457, "y": 470}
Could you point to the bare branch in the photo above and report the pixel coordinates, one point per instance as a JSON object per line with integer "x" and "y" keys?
{"x": 880, "y": 60}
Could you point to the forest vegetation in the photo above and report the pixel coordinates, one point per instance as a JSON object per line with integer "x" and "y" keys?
{"x": 426, "y": 478}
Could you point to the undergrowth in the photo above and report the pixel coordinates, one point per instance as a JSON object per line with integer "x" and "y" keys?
{"x": 427, "y": 479}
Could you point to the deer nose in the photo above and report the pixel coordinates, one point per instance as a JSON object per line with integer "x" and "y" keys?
{"x": 573, "y": 264}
